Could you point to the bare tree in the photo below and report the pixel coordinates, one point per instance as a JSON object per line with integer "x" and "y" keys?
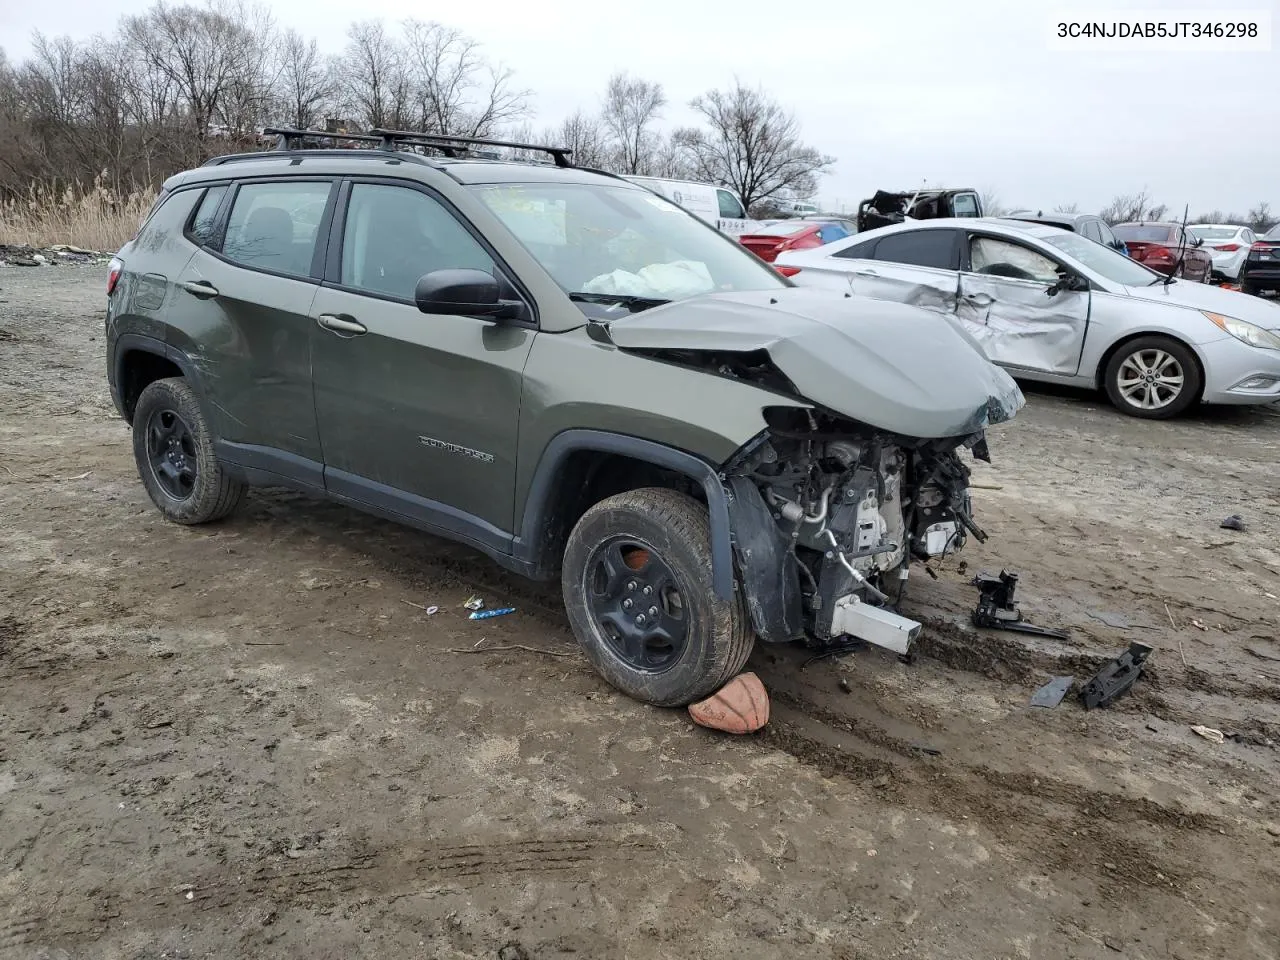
{"x": 752, "y": 145}
{"x": 305, "y": 85}
{"x": 1260, "y": 219}
{"x": 1067, "y": 208}
{"x": 210, "y": 55}
{"x": 1133, "y": 208}
{"x": 373, "y": 73}
{"x": 455, "y": 89}
{"x": 585, "y": 135}
{"x": 631, "y": 107}
{"x": 991, "y": 205}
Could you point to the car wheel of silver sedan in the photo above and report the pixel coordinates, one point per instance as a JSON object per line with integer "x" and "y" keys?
{"x": 1153, "y": 377}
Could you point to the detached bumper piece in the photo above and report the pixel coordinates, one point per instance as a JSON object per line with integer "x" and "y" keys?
{"x": 997, "y": 609}
{"x": 1115, "y": 677}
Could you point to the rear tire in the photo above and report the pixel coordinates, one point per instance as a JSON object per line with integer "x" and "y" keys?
{"x": 173, "y": 448}
{"x": 638, "y": 590}
{"x": 1153, "y": 377}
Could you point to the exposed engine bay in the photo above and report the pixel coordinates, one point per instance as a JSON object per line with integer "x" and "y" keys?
{"x": 851, "y": 507}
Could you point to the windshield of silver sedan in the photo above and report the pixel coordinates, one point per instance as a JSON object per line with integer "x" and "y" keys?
{"x": 1109, "y": 263}
{"x": 604, "y": 241}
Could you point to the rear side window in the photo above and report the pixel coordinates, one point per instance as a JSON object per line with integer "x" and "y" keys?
{"x": 1089, "y": 230}
{"x": 857, "y": 251}
{"x": 204, "y": 223}
{"x": 965, "y": 204}
{"x": 920, "y": 248}
{"x": 730, "y": 206}
{"x": 274, "y": 226}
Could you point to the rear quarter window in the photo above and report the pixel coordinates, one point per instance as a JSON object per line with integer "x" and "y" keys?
{"x": 164, "y": 227}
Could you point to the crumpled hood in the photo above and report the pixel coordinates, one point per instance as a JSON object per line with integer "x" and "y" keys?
{"x": 889, "y": 365}
{"x": 1203, "y": 296}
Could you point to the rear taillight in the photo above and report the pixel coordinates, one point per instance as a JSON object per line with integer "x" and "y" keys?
{"x": 1228, "y": 247}
{"x": 1157, "y": 253}
{"x": 1260, "y": 245}
{"x": 113, "y": 275}
{"x": 788, "y": 271}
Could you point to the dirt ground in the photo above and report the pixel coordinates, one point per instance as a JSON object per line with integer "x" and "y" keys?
{"x": 250, "y": 739}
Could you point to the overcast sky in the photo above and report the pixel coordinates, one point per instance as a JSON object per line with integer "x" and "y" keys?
{"x": 963, "y": 93}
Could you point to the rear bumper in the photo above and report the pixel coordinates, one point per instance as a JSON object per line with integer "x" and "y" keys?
{"x": 1229, "y": 264}
{"x": 1236, "y": 373}
{"x": 1262, "y": 274}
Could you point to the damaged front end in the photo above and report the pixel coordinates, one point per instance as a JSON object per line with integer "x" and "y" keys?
{"x": 827, "y": 515}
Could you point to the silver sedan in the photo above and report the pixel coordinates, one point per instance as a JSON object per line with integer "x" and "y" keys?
{"x": 1052, "y": 306}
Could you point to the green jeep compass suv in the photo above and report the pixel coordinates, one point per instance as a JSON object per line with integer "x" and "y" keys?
{"x": 564, "y": 371}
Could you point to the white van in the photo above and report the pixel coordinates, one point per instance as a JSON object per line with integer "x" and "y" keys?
{"x": 715, "y": 205}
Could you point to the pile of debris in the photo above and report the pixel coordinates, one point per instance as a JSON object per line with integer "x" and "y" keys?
{"x": 59, "y": 253}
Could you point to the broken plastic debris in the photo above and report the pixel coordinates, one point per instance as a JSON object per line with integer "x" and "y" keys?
{"x": 1233, "y": 522}
{"x": 473, "y": 603}
{"x": 432, "y": 611}
{"x": 191, "y": 894}
{"x": 1051, "y": 694}
{"x": 1210, "y": 734}
{"x": 486, "y": 614}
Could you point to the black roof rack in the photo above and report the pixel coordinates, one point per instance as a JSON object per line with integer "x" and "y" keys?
{"x": 447, "y": 141}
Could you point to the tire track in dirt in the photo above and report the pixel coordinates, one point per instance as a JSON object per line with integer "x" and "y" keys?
{"x": 314, "y": 876}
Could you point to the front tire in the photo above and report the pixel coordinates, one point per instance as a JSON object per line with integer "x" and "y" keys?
{"x": 1154, "y": 377}
{"x": 637, "y": 587}
{"x": 173, "y": 448}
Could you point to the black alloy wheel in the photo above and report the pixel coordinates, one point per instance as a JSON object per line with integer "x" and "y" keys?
{"x": 171, "y": 451}
{"x": 633, "y": 595}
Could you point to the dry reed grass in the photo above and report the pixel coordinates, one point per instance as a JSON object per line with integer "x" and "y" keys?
{"x": 95, "y": 218}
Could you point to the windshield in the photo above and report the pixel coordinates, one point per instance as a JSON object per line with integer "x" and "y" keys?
{"x": 1214, "y": 233}
{"x": 1102, "y": 260}
{"x": 623, "y": 241}
{"x": 1138, "y": 233}
{"x": 1273, "y": 233}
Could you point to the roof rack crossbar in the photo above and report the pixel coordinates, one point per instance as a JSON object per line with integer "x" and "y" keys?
{"x": 443, "y": 141}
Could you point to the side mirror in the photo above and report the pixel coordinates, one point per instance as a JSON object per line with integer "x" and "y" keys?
{"x": 1067, "y": 281}
{"x": 465, "y": 293}
{"x": 1197, "y": 241}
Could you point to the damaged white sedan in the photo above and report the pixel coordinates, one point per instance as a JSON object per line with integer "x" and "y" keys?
{"x": 1052, "y": 306}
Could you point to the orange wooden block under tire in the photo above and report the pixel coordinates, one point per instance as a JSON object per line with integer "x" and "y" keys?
{"x": 740, "y": 706}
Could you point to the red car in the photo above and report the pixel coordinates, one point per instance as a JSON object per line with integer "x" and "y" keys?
{"x": 1166, "y": 248}
{"x": 767, "y": 242}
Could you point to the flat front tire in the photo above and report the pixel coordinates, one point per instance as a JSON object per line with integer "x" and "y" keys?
{"x": 173, "y": 448}
{"x": 1153, "y": 377}
{"x": 638, "y": 590}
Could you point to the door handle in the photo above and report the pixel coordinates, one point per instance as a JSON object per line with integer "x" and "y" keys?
{"x": 865, "y": 273}
{"x": 200, "y": 289}
{"x": 980, "y": 300}
{"x": 341, "y": 324}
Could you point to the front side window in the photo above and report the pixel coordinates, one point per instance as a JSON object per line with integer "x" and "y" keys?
{"x": 395, "y": 235}
{"x": 1089, "y": 231}
{"x": 920, "y": 248}
{"x": 730, "y": 206}
{"x": 274, "y": 226}
{"x": 1002, "y": 258}
{"x": 1106, "y": 236}
{"x": 607, "y": 239}
{"x": 965, "y": 204}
